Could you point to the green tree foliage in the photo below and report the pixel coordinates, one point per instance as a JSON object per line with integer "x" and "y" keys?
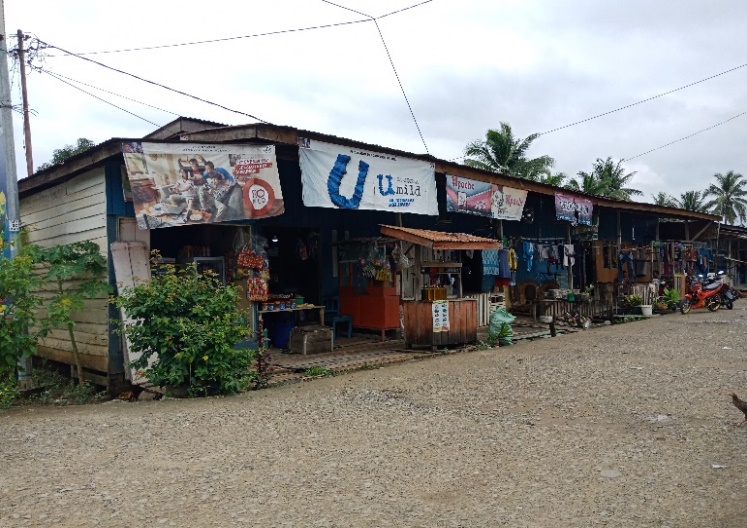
{"x": 503, "y": 153}
{"x": 691, "y": 201}
{"x": 187, "y": 325}
{"x": 730, "y": 197}
{"x": 61, "y": 154}
{"x": 607, "y": 178}
{"x": 76, "y": 272}
{"x": 19, "y": 331}
{"x": 664, "y": 199}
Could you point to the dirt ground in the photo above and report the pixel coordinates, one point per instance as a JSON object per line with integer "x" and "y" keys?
{"x": 621, "y": 426}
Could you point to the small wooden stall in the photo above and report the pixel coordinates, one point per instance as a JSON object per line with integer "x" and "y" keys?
{"x": 439, "y": 315}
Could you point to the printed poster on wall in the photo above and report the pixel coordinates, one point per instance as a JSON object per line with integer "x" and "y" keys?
{"x": 340, "y": 177}
{"x": 573, "y": 209}
{"x": 464, "y": 195}
{"x": 176, "y": 184}
{"x": 440, "y": 316}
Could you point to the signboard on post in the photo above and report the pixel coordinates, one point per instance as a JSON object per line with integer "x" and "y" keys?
{"x": 341, "y": 177}
{"x": 176, "y": 184}
{"x": 464, "y": 195}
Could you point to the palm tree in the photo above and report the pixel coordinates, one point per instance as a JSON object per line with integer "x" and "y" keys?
{"x": 663, "y": 199}
{"x": 556, "y": 180}
{"x": 502, "y": 152}
{"x": 730, "y": 194}
{"x": 608, "y": 179}
{"x": 691, "y": 201}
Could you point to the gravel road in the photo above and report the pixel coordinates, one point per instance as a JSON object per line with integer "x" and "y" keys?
{"x": 621, "y": 426}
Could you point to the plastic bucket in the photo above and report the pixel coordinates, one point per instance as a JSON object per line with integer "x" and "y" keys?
{"x": 646, "y": 310}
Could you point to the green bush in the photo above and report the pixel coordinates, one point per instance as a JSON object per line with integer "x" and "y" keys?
{"x": 186, "y": 326}
{"x": 19, "y": 331}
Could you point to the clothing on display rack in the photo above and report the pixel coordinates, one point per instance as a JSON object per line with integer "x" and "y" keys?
{"x": 623, "y": 258}
{"x": 528, "y": 250}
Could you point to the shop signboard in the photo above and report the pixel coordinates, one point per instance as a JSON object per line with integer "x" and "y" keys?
{"x": 176, "y": 184}
{"x": 341, "y": 177}
{"x": 573, "y": 209}
{"x": 464, "y": 195}
{"x": 440, "y": 316}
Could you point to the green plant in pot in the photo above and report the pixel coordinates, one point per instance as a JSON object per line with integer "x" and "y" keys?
{"x": 186, "y": 326}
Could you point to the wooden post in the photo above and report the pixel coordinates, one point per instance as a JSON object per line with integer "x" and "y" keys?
{"x": 25, "y": 98}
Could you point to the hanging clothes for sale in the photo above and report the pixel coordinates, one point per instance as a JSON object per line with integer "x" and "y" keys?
{"x": 504, "y": 268}
{"x": 490, "y": 262}
{"x": 513, "y": 264}
{"x": 528, "y": 251}
{"x": 569, "y": 255}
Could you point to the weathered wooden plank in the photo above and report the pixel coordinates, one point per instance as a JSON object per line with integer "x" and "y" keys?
{"x": 88, "y": 225}
{"x": 63, "y": 215}
{"x": 100, "y": 336}
{"x": 81, "y": 201}
{"x": 95, "y": 362}
{"x": 67, "y": 347}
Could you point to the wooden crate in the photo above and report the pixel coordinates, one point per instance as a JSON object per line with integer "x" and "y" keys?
{"x": 311, "y": 340}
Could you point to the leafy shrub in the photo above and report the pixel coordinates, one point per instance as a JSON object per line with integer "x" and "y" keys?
{"x": 19, "y": 331}
{"x": 186, "y": 326}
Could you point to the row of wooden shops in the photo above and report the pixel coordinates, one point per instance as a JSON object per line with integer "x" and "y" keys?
{"x": 366, "y": 240}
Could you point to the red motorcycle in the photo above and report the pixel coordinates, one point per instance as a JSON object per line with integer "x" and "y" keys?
{"x": 703, "y": 293}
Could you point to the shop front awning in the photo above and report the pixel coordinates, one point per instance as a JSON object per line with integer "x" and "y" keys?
{"x": 438, "y": 239}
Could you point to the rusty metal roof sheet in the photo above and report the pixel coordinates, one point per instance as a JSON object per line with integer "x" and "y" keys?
{"x": 439, "y": 239}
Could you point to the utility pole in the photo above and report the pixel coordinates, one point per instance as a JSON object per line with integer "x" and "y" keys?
{"x": 9, "y": 215}
{"x": 26, "y": 119}
{"x": 8, "y": 181}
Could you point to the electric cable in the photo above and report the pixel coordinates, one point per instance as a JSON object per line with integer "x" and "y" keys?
{"x": 225, "y": 39}
{"x": 100, "y": 98}
{"x": 684, "y": 138}
{"x": 110, "y": 92}
{"x": 403, "y": 9}
{"x": 154, "y": 83}
{"x": 391, "y": 61}
{"x": 643, "y": 100}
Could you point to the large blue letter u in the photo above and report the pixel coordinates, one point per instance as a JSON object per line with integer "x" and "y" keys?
{"x": 335, "y": 179}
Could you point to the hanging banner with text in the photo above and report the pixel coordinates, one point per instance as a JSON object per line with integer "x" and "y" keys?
{"x": 176, "y": 184}
{"x": 573, "y": 209}
{"x": 351, "y": 178}
{"x": 464, "y": 195}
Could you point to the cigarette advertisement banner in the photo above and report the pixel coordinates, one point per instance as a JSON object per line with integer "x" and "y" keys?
{"x": 573, "y": 209}
{"x": 484, "y": 199}
{"x": 440, "y": 316}
{"x": 340, "y": 177}
{"x": 176, "y": 184}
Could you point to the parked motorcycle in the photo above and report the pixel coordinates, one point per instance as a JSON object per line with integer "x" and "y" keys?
{"x": 729, "y": 294}
{"x": 702, "y": 292}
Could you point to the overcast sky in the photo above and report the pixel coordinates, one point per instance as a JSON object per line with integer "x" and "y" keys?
{"x": 465, "y": 66}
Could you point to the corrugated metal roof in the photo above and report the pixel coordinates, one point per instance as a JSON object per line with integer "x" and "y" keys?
{"x": 439, "y": 239}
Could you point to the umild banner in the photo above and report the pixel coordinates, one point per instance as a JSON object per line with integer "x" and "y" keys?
{"x": 341, "y": 177}
{"x": 464, "y": 195}
{"x": 573, "y": 209}
{"x": 176, "y": 184}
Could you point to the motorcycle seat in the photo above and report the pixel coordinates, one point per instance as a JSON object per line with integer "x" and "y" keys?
{"x": 712, "y": 286}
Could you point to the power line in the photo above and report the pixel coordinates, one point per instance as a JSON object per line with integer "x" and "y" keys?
{"x": 644, "y": 100}
{"x": 389, "y": 56}
{"x": 402, "y": 88}
{"x": 53, "y": 75}
{"x": 684, "y": 138}
{"x": 226, "y": 39}
{"x": 403, "y": 9}
{"x": 154, "y": 83}
{"x": 110, "y": 92}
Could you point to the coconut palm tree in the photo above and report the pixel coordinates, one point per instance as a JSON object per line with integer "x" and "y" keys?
{"x": 664, "y": 199}
{"x": 730, "y": 197}
{"x": 502, "y": 152}
{"x": 607, "y": 178}
{"x": 557, "y": 180}
{"x": 691, "y": 201}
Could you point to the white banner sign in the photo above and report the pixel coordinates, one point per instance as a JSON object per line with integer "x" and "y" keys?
{"x": 350, "y": 178}
{"x": 440, "y": 316}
